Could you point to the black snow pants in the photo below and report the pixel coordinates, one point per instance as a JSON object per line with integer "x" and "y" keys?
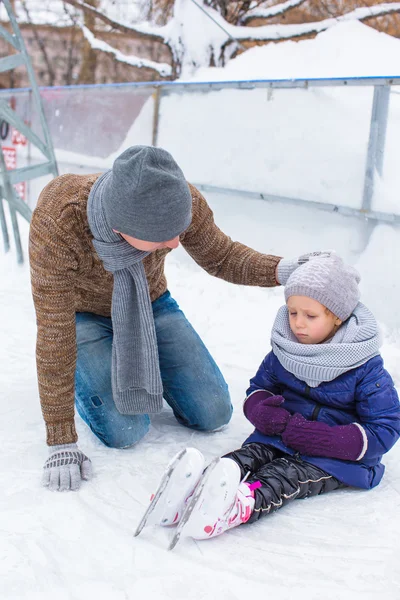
{"x": 283, "y": 477}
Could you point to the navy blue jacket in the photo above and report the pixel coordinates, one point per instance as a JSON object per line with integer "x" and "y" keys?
{"x": 365, "y": 395}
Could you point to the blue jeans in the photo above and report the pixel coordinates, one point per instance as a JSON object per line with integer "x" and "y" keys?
{"x": 193, "y": 385}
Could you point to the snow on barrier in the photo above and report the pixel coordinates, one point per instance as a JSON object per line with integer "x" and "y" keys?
{"x": 331, "y": 142}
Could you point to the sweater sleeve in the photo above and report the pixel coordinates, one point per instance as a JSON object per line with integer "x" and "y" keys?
{"x": 53, "y": 266}
{"x": 217, "y": 254}
{"x": 378, "y": 410}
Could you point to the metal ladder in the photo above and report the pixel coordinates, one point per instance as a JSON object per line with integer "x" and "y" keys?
{"x": 20, "y": 57}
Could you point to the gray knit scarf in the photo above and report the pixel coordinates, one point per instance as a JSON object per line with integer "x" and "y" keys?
{"x": 355, "y": 342}
{"x": 136, "y": 379}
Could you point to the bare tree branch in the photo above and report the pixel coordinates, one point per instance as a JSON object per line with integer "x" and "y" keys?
{"x": 87, "y": 73}
{"x": 40, "y": 43}
{"x": 272, "y": 11}
{"x": 68, "y": 77}
{"x": 140, "y": 30}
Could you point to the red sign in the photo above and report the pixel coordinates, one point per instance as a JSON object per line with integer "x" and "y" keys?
{"x": 18, "y": 138}
{"x": 10, "y": 158}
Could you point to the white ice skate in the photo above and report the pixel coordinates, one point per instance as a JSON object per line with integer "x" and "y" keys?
{"x": 219, "y": 502}
{"x": 177, "y": 484}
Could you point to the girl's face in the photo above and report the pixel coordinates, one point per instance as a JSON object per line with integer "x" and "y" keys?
{"x": 310, "y": 321}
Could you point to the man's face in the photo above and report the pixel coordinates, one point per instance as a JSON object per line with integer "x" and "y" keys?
{"x": 149, "y": 246}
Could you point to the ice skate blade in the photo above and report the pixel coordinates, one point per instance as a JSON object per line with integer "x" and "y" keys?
{"x": 192, "y": 503}
{"x": 161, "y": 488}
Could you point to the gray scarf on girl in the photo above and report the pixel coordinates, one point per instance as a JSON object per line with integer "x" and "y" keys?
{"x": 355, "y": 342}
{"x": 136, "y": 379}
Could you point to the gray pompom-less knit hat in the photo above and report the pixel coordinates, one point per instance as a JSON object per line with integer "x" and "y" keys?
{"x": 146, "y": 195}
{"x": 329, "y": 281}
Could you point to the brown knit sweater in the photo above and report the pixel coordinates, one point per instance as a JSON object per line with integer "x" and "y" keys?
{"x": 68, "y": 277}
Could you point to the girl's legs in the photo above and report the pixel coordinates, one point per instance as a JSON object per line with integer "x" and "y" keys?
{"x": 225, "y": 502}
{"x": 252, "y": 457}
{"x": 285, "y": 479}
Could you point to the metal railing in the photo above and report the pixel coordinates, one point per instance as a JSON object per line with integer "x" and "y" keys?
{"x": 129, "y": 95}
{"x": 9, "y": 176}
{"x": 376, "y": 145}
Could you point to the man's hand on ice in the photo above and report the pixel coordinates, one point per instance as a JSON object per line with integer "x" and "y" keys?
{"x": 65, "y": 468}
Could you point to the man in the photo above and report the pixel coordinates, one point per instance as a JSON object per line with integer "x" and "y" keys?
{"x": 111, "y": 339}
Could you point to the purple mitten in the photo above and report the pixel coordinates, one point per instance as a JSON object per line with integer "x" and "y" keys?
{"x": 263, "y": 410}
{"x": 319, "y": 439}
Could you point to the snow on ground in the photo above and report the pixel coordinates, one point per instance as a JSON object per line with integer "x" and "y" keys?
{"x": 77, "y": 545}
{"x": 73, "y": 546}
{"x": 299, "y": 143}
{"x": 349, "y": 49}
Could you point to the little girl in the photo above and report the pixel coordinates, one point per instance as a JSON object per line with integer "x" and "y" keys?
{"x": 324, "y": 408}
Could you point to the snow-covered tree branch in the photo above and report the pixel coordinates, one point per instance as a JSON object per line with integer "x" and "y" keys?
{"x": 281, "y": 32}
{"x": 145, "y": 30}
{"x": 163, "y": 69}
{"x": 198, "y": 35}
{"x": 271, "y": 11}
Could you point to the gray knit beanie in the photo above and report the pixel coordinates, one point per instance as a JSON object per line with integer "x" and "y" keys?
{"x": 329, "y": 281}
{"x": 146, "y": 196}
